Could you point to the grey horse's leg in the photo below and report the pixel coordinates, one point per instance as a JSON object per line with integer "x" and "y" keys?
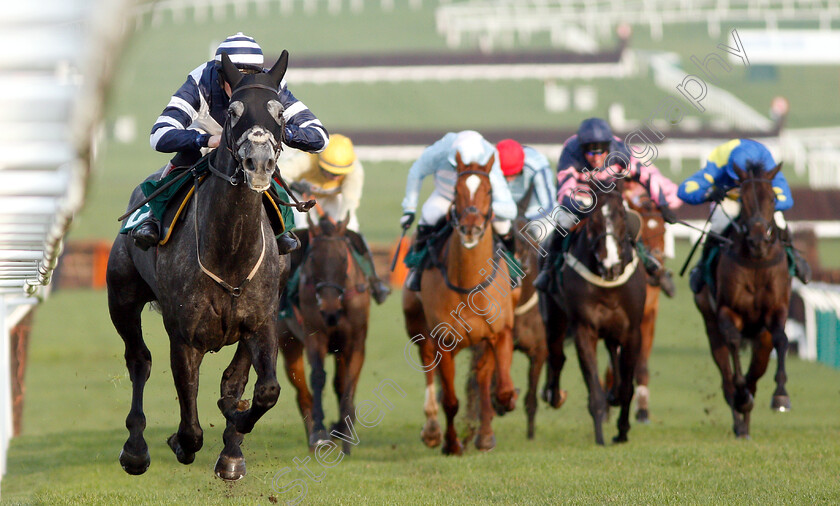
{"x": 127, "y": 294}
{"x": 231, "y": 463}
{"x": 185, "y": 362}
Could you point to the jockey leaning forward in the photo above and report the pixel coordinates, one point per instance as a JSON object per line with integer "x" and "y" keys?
{"x": 191, "y": 123}
{"x": 584, "y": 156}
{"x": 334, "y": 178}
{"x": 529, "y": 176}
{"x": 439, "y": 160}
{"x": 717, "y": 182}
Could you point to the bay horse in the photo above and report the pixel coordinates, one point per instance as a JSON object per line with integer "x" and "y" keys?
{"x": 652, "y": 233}
{"x": 224, "y": 237}
{"x": 470, "y": 287}
{"x": 750, "y": 298}
{"x": 333, "y": 312}
{"x": 601, "y": 296}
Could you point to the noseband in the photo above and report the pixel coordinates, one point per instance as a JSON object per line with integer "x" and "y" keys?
{"x": 745, "y": 229}
{"x": 237, "y": 177}
{"x": 456, "y": 218}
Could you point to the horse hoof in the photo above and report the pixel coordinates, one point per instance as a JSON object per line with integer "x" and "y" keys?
{"x": 620, "y": 438}
{"x": 554, "y": 397}
{"x": 744, "y": 404}
{"x": 486, "y": 442}
{"x": 453, "y": 448}
{"x": 780, "y": 403}
{"x": 642, "y": 416}
{"x": 182, "y": 456}
{"x": 431, "y": 434}
{"x": 230, "y": 468}
{"x": 318, "y": 438}
{"x": 134, "y": 464}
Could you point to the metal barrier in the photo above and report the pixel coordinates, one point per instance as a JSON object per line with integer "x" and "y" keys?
{"x": 52, "y": 80}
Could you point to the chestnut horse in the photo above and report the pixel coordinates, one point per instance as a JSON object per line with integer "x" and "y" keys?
{"x": 602, "y": 296}
{"x": 468, "y": 286}
{"x": 752, "y": 288}
{"x": 334, "y": 310}
{"x": 653, "y": 237}
{"x": 528, "y": 327}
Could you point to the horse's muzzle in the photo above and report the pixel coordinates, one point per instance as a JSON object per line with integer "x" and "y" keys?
{"x": 258, "y": 173}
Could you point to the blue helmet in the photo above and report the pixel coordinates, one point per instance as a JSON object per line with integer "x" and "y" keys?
{"x": 243, "y": 52}
{"x": 594, "y": 130}
{"x": 746, "y": 153}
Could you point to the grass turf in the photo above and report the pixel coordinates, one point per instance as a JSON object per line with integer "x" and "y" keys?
{"x": 78, "y": 394}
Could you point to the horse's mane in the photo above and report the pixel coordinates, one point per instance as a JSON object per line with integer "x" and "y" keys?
{"x": 754, "y": 168}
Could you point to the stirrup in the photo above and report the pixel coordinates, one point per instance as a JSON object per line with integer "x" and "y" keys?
{"x": 379, "y": 290}
{"x": 412, "y": 280}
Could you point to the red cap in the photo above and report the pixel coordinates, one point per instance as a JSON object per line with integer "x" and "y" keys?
{"x": 511, "y": 157}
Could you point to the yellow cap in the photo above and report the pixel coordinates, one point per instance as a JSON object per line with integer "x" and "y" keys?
{"x": 339, "y": 156}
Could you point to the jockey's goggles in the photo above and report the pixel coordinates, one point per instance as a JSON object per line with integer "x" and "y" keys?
{"x": 596, "y": 148}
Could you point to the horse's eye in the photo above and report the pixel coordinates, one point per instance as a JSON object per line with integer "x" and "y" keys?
{"x": 769, "y": 232}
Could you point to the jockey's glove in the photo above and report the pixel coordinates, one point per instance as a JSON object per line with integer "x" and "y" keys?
{"x": 717, "y": 194}
{"x": 668, "y": 214}
{"x": 406, "y": 220}
{"x": 301, "y": 187}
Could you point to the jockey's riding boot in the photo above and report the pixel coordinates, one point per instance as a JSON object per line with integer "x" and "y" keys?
{"x": 659, "y": 275}
{"x": 666, "y": 283}
{"x": 695, "y": 279}
{"x": 800, "y": 265}
{"x": 147, "y": 234}
{"x": 544, "y": 281}
{"x": 287, "y": 242}
{"x": 378, "y": 288}
{"x": 509, "y": 242}
{"x": 415, "y": 274}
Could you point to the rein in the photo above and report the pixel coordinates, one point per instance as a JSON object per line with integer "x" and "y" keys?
{"x": 342, "y": 290}
{"x": 234, "y": 291}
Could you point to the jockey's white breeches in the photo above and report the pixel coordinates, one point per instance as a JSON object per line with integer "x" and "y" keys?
{"x": 331, "y": 204}
{"x": 729, "y": 209}
{"x": 436, "y": 207}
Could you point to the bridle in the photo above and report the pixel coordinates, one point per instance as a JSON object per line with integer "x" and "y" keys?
{"x": 321, "y": 285}
{"x": 766, "y": 225}
{"x": 471, "y": 210}
{"x": 238, "y": 174}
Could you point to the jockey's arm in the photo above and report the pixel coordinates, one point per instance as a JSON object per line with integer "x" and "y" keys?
{"x": 303, "y": 130}
{"x": 696, "y": 189}
{"x": 432, "y": 157}
{"x": 351, "y": 190}
{"x": 294, "y": 167}
{"x": 171, "y": 133}
{"x": 543, "y": 180}
{"x": 504, "y": 207}
{"x": 662, "y": 190}
{"x": 784, "y": 199}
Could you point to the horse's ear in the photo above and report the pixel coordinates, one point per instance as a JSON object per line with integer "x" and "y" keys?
{"x": 772, "y": 173}
{"x": 490, "y": 162}
{"x": 279, "y": 69}
{"x": 341, "y": 227}
{"x": 230, "y": 73}
{"x": 742, "y": 176}
{"x": 314, "y": 228}
{"x": 459, "y": 164}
